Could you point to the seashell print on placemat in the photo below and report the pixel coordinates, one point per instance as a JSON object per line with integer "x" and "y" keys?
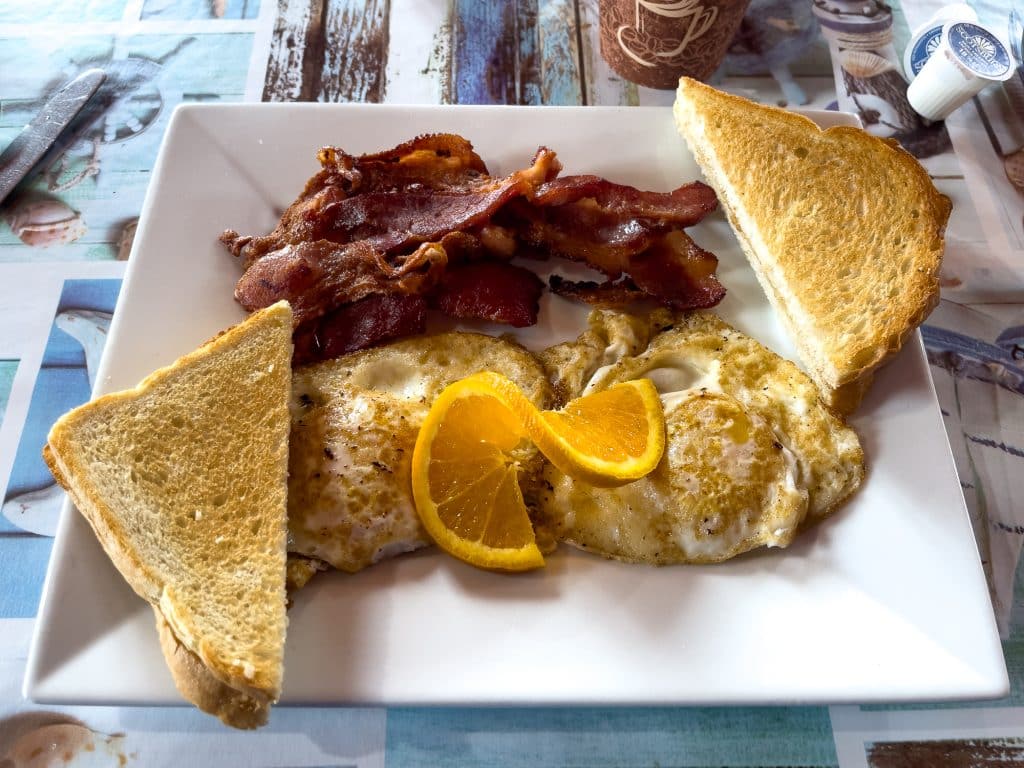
{"x": 42, "y": 222}
{"x": 1013, "y": 164}
{"x": 864, "y": 64}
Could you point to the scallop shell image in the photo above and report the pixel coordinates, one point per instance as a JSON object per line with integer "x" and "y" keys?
{"x": 64, "y": 744}
{"x": 1013, "y": 164}
{"x": 864, "y": 64}
{"x": 45, "y": 222}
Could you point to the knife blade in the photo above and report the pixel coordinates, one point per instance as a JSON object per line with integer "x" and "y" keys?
{"x": 38, "y": 136}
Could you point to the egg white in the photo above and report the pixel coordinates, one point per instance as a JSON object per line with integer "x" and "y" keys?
{"x": 752, "y": 452}
{"x": 354, "y": 426}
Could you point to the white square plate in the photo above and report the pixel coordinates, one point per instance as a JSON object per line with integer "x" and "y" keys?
{"x": 885, "y": 601}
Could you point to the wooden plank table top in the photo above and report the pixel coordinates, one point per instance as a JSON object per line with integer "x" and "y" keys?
{"x": 517, "y": 52}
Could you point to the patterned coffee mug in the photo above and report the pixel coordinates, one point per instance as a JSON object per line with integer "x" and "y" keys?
{"x": 655, "y": 42}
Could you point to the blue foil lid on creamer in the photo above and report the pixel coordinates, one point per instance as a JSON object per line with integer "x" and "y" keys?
{"x": 923, "y": 47}
{"x": 968, "y": 59}
{"x": 926, "y": 38}
{"x": 979, "y": 50}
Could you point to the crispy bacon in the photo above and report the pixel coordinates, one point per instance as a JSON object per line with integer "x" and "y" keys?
{"x": 424, "y": 222}
{"x": 440, "y": 161}
{"x": 677, "y": 272}
{"x": 661, "y": 258}
{"x": 394, "y": 221}
{"x": 607, "y": 295}
{"x": 364, "y": 323}
{"x": 490, "y": 290}
{"x": 581, "y": 231}
{"x": 317, "y": 277}
{"x": 432, "y": 190}
{"x": 347, "y": 236}
{"x": 683, "y": 207}
{"x": 674, "y": 271}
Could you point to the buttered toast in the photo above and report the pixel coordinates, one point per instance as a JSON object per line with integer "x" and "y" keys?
{"x": 844, "y": 230}
{"x": 184, "y": 480}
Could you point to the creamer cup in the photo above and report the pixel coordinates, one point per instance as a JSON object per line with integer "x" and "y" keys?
{"x": 968, "y": 58}
{"x": 927, "y": 36}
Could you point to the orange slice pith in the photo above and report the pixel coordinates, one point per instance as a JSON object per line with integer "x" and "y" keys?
{"x": 465, "y": 479}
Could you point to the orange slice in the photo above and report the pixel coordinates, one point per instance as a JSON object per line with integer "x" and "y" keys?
{"x": 608, "y": 438}
{"x": 465, "y": 482}
{"x": 464, "y": 476}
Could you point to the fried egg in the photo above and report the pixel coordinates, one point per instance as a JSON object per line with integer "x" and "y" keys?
{"x": 751, "y": 450}
{"x": 354, "y": 426}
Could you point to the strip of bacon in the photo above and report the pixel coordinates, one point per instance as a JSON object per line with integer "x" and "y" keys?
{"x": 581, "y": 231}
{"x": 320, "y": 276}
{"x": 683, "y": 207}
{"x": 674, "y": 271}
{"x": 339, "y": 243}
{"x": 362, "y": 324}
{"x": 490, "y": 290}
{"x": 439, "y": 161}
{"x": 678, "y": 272}
{"x": 661, "y": 258}
{"x": 395, "y": 221}
{"x": 606, "y": 295}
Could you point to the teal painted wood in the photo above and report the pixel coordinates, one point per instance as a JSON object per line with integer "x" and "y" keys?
{"x": 517, "y": 52}
{"x": 602, "y": 737}
{"x": 59, "y": 11}
{"x": 561, "y": 71}
{"x": 171, "y": 68}
{"x": 13, "y": 251}
{"x": 528, "y": 76}
{"x": 173, "y": 10}
{"x": 485, "y": 59}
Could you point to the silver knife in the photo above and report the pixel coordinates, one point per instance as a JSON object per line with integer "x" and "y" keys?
{"x": 38, "y": 136}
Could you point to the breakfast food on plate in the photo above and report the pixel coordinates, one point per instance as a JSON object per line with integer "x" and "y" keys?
{"x": 844, "y": 230}
{"x": 300, "y": 571}
{"x": 465, "y": 476}
{"x": 354, "y": 426}
{"x": 306, "y": 437}
{"x": 184, "y": 480}
{"x": 374, "y": 240}
{"x": 751, "y": 452}
{"x": 604, "y": 438}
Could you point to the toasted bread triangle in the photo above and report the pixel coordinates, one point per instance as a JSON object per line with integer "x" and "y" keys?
{"x": 844, "y": 230}
{"x": 184, "y": 481}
